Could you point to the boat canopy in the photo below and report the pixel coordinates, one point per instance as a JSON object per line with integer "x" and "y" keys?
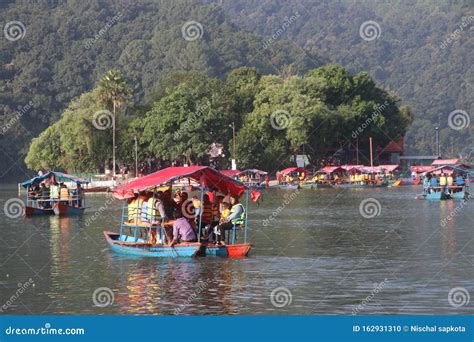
{"x": 330, "y": 169}
{"x": 231, "y": 173}
{"x": 351, "y": 167}
{"x": 289, "y": 170}
{"x": 421, "y": 168}
{"x": 448, "y": 169}
{"x": 204, "y": 175}
{"x": 58, "y": 177}
{"x": 439, "y": 162}
{"x": 379, "y": 169}
{"x": 254, "y": 172}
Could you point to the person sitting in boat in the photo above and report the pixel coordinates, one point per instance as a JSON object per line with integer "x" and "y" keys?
{"x": 182, "y": 230}
{"x": 443, "y": 181}
{"x": 44, "y": 197}
{"x": 168, "y": 204}
{"x": 54, "y": 192}
{"x": 236, "y": 217}
{"x": 434, "y": 183}
{"x": 450, "y": 182}
{"x": 63, "y": 193}
{"x": 460, "y": 180}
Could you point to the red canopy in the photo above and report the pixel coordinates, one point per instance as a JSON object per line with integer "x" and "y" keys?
{"x": 389, "y": 168}
{"x": 421, "y": 168}
{"x": 350, "y": 167}
{"x": 330, "y": 169}
{"x": 291, "y": 169}
{"x": 230, "y": 173}
{"x": 204, "y": 175}
{"x": 440, "y": 162}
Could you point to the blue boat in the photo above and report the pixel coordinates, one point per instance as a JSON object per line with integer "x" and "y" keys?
{"x": 149, "y": 239}
{"x": 72, "y": 204}
{"x": 456, "y": 191}
{"x": 127, "y": 245}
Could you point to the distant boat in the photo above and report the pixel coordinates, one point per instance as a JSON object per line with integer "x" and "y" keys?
{"x": 37, "y": 204}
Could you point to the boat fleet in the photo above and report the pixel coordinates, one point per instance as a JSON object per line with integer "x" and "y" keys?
{"x": 146, "y": 228}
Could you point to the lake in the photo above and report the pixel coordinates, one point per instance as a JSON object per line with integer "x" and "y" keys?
{"x": 316, "y": 252}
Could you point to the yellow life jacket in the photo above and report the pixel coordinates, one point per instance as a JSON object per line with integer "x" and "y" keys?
{"x": 151, "y": 212}
{"x": 53, "y": 191}
{"x": 442, "y": 180}
{"x": 135, "y": 209}
{"x": 64, "y": 194}
{"x": 207, "y": 213}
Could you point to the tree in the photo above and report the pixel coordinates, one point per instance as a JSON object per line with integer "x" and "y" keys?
{"x": 113, "y": 92}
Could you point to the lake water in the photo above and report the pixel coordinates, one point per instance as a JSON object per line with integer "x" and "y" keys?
{"x": 317, "y": 254}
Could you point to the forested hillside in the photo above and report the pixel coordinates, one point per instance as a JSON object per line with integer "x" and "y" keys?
{"x": 422, "y": 51}
{"x": 68, "y": 45}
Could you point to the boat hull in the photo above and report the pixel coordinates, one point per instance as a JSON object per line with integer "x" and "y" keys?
{"x": 289, "y": 187}
{"x": 143, "y": 249}
{"x": 32, "y": 211}
{"x": 61, "y": 209}
{"x": 461, "y": 195}
{"x": 436, "y": 196}
{"x": 240, "y": 250}
{"x": 362, "y": 186}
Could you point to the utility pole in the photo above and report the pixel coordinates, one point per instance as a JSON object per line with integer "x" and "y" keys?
{"x": 136, "y": 157}
{"x": 357, "y": 151}
{"x": 371, "y": 158}
{"x": 234, "y": 163}
{"x": 113, "y": 141}
{"x": 438, "y": 150}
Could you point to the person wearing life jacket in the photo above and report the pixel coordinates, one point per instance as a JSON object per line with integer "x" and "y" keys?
{"x": 443, "y": 181}
{"x": 54, "y": 192}
{"x": 236, "y": 218}
{"x": 135, "y": 209}
{"x": 63, "y": 193}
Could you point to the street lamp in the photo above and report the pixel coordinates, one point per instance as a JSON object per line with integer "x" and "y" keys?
{"x": 234, "y": 164}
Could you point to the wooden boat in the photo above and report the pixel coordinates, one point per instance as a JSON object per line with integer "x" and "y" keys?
{"x": 122, "y": 244}
{"x": 448, "y": 192}
{"x": 36, "y": 211}
{"x": 73, "y": 204}
{"x": 362, "y": 186}
{"x": 289, "y": 186}
{"x": 207, "y": 179}
{"x": 62, "y": 209}
{"x": 229, "y": 251}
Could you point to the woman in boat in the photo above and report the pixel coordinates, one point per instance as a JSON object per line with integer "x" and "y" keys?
{"x": 182, "y": 230}
{"x": 236, "y": 218}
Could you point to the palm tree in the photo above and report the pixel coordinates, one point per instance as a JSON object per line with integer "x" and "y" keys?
{"x": 113, "y": 92}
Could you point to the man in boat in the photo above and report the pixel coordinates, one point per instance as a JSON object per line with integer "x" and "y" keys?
{"x": 44, "y": 198}
{"x": 64, "y": 193}
{"x": 182, "y": 230}
{"x": 236, "y": 218}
